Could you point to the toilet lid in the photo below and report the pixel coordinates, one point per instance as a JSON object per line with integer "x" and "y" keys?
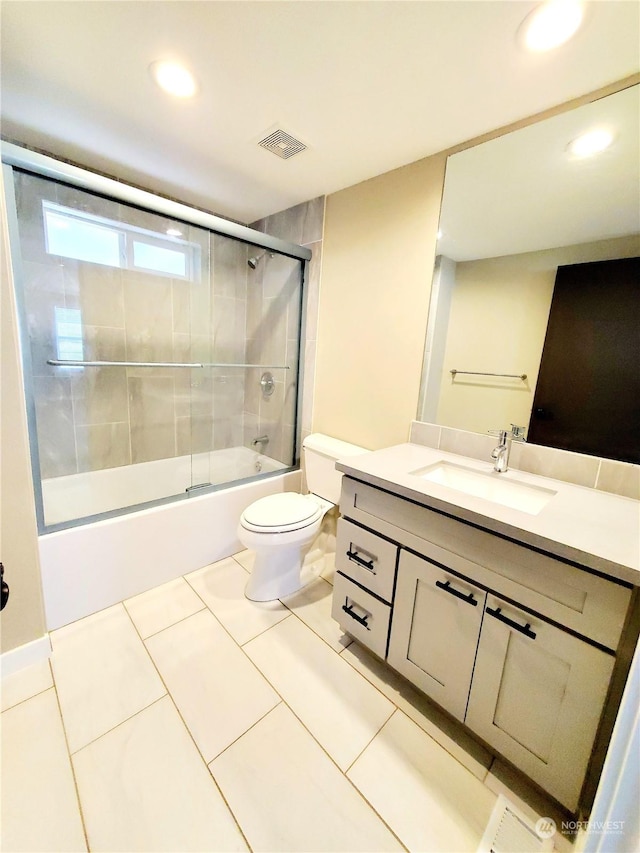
{"x": 287, "y": 508}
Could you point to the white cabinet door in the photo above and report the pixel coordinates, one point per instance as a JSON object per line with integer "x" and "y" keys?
{"x": 434, "y": 631}
{"x": 537, "y": 697}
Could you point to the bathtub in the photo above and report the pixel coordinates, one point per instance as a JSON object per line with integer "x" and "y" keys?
{"x": 92, "y": 566}
{"x": 93, "y": 492}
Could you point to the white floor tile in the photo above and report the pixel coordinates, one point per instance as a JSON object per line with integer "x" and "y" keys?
{"x": 429, "y": 800}
{"x": 312, "y": 604}
{"x": 25, "y": 683}
{"x": 103, "y": 674}
{"x": 219, "y": 693}
{"x": 144, "y": 786}
{"x": 338, "y": 706}
{"x": 450, "y": 735}
{"x": 246, "y": 559}
{"x": 289, "y": 796}
{"x": 221, "y": 585}
{"x": 39, "y": 805}
{"x": 329, "y": 568}
{"x": 165, "y": 605}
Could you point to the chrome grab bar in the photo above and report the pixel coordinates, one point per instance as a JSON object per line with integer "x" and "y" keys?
{"x": 522, "y": 376}
{"x": 57, "y": 362}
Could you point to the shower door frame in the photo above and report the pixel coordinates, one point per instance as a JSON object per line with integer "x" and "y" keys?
{"x": 41, "y": 165}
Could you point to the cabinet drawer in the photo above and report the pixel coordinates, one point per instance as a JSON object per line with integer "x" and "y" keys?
{"x": 586, "y": 603}
{"x": 366, "y": 558}
{"x": 360, "y": 614}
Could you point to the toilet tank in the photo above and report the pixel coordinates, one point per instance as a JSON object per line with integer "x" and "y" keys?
{"x": 320, "y": 454}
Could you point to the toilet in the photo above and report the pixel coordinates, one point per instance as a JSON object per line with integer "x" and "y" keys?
{"x": 281, "y": 528}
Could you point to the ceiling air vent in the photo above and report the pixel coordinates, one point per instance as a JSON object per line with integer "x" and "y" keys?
{"x": 282, "y": 144}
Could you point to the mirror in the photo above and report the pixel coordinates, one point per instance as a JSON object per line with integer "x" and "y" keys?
{"x": 516, "y": 209}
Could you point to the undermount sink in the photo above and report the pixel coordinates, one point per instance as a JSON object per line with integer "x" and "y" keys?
{"x": 490, "y": 486}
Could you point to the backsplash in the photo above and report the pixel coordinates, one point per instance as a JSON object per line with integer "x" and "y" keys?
{"x": 606, "y": 475}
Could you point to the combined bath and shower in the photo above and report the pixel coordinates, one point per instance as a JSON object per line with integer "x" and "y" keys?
{"x": 253, "y": 262}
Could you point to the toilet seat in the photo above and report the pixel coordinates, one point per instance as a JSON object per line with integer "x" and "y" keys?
{"x": 281, "y": 513}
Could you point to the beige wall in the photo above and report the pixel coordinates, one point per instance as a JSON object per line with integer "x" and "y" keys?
{"x": 378, "y": 255}
{"x": 23, "y": 619}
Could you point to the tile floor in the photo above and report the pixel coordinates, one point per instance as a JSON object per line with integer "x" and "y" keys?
{"x": 188, "y": 718}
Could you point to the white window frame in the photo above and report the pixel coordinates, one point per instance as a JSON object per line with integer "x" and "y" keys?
{"x": 127, "y": 236}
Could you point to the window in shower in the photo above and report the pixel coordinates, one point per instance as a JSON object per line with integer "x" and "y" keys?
{"x": 82, "y": 236}
{"x": 149, "y": 339}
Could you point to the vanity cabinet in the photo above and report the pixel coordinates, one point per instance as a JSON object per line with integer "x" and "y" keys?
{"x": 517, "y": 645}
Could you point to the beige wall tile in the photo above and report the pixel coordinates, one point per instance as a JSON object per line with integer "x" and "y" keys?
{"x": 559, "y": 464}
{"x": 230, "y": 268}
{"x": 181, "y": 302}
{"x": 152, "y": 416}
{"x": 100, "y": 393}
{"x": 312, "y": 220}
{"x": 148, "y": 309}
{"x": 621, "y": 478}
{"x": 55, "y": 427}
{"x": 100, "y": 293}
{"x": 103, "y": 445}
{"x": 427, "y": 434}
{"x": 471, "y": 444}
{"x": 313, "y": 290}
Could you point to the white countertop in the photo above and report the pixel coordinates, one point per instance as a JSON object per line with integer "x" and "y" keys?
{"x": 595, "y": 529}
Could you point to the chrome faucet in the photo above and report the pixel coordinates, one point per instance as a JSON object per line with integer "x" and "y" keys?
{"x": 261, "y": 440}
{"x": 501, "y": 453}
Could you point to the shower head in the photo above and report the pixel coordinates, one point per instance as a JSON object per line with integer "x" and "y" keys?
{"x": 253, "y": 262}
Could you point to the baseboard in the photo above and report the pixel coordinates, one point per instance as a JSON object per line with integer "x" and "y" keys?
{"x": 25, "y": 655}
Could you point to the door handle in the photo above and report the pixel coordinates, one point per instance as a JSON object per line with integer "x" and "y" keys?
{"x": 524, "y": 629}
{"x": 448, "y": 588}
{"x": 5, "y": 589}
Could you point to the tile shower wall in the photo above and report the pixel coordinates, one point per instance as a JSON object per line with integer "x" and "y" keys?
{"x": 95, "y": 418}
{"x": 268, "y": 311}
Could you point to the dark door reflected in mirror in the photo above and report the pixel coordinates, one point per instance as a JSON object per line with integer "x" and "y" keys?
{"x": 588, "y": 394}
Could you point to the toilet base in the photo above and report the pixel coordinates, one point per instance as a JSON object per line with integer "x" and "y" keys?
{"x": 277, "y": 573}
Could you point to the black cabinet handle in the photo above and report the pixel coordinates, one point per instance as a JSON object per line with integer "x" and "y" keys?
{"x": 356, "y": 558}
{"x": 348, "y": 608}
{"x": 524, "y": 629}
{"x": 448, "y": 588}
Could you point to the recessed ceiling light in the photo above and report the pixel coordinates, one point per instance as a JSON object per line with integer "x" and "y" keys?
{"x": 551, "y": 24}
{"x": 591, "y": 143}
{"x": 173, "y": 232}
{"x": 173, "y": 78}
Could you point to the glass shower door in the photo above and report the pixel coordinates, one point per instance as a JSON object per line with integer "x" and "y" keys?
{"x": 162, "y": 357}
{"x": 107, "y": 293}
{"x": 244, "y": 405}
